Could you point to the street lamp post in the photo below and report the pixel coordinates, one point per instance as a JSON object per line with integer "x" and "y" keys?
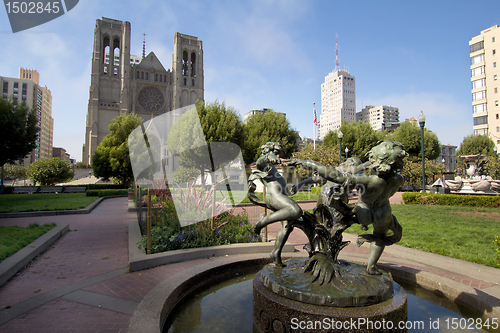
{"x": 340, "y": 145}
{"x": 346, "y": 153}
{"x": 496, "y": 167}
{"x": 421, "y": 121}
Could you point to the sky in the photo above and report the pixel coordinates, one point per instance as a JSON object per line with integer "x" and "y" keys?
{"x": 413, "y": 55}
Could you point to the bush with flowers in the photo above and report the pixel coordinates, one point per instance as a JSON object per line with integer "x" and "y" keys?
{"x": 167, "y": 233}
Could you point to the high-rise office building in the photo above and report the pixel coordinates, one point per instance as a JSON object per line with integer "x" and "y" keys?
{"x": 130, "y": 84}
{"x": 338, "y": 101}
{"x": 26, "y": 89}
{"x": 380, "y": 117}
{"x": 485, "y": 80}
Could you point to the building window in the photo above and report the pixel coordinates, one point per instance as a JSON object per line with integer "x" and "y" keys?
{"x": 495, "y": 77}
{"x": 480, "y": 120}
{"x": 156, "y": 77}
{"x": 477, "y": 59}
{"x": 477, "y": 71}
{"x": 147, "y": 76}
{"x": 479, "y": 108}
{"x": 5, "y": 89}
{"x": 496, "y": 103}
{"x": 498, "y": 129}
{"x": 492, "y": 39}
{"x": 497, "y": 115}
{"x": 138, "y": 75}
{"x": 496, "y": 90}
{"x": 477, "y": 46}
{"x": 479, "y": 95}
{"x": 495, "y": 64}
{"x": 478, "y": 83}
{"x": 494, "y": 52}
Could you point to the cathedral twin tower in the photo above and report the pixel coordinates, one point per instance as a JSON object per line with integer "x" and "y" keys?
{"x": 122, "y": 83}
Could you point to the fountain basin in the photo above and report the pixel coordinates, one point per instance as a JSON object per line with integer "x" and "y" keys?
{"x": 153, "y": 310}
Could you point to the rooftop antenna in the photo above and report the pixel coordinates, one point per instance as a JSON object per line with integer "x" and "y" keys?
{"x": 336, "y": 52}
{"x": 144, "y": 46}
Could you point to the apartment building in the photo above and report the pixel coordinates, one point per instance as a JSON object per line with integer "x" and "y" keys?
{"x": 485, "y": 65}
{"x": 27, "y": 89}
{"x": 380, "y": 117}
{"x": 338, "y": 101}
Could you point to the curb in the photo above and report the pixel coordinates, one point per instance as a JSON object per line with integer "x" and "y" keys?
{"x": 13, "y": 264}
{"x": 85, "y": 210}
{"x": 139, "y": 260}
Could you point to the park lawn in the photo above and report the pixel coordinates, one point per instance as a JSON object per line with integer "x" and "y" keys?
{"x": 465, "y": 233}
{"x": 14, "y": 238}
{"x": 11, "y": 203}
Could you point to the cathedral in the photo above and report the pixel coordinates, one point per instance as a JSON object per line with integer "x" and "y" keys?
{"x": 122, "y": 83}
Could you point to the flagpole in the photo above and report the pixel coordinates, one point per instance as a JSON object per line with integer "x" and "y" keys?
{"x": 314, "y": 125}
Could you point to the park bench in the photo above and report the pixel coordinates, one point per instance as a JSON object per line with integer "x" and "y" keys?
{"x": 76, "y": 189}
{"x": 24, "y": 189}
{"x": 406, "y": 188}
{"x": 50, "y": 189}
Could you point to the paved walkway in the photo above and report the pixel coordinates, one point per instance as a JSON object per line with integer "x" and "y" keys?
{"x": 81, "y": 284}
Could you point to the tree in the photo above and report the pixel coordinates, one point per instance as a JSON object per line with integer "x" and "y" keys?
{"x": 358, "y": 137}
{"x": 50, "y": 171}
{"x": 82, "y": 165}
{"x": 328, "y": 156}
{"x": 265, "y": 127}
{"x": 476, "y": 144}
{"x": 219, "y": 123}
{"x": 412, "y": 171}
{"x": 18, "y": 131}
{"x": 111, "y": 158}
{"x": 410, "y": 135}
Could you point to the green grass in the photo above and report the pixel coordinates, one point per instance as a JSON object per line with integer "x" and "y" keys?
{"x": 10, "y": 203}
{"x": 14, "y": 238}
{"x": 465, "y": 233}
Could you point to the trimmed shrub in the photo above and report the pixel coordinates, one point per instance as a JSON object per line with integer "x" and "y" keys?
{"x": 486, "y": 201}
{"x": 105, "y": 186}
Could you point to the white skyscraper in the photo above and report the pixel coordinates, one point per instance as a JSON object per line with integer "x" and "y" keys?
{"x": 338, "y": 101}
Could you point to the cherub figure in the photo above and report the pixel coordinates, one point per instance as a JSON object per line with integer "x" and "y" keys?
{"x": 285, "y": 210}
{"x": 375, "y": 186}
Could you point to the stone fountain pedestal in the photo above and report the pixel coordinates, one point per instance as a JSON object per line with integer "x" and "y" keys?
{"x": 354, "y": 301}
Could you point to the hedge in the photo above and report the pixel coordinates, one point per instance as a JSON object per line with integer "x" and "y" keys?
{"x": 106, "y": 193}
{"x": 105, "y": 186}
{"x": 486, "y": 201}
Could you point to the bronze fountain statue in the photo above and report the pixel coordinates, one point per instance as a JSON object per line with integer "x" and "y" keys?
{"x": 323, "y": 279}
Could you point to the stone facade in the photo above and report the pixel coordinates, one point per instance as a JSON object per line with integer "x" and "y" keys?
{"x": 145, "y": 88}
